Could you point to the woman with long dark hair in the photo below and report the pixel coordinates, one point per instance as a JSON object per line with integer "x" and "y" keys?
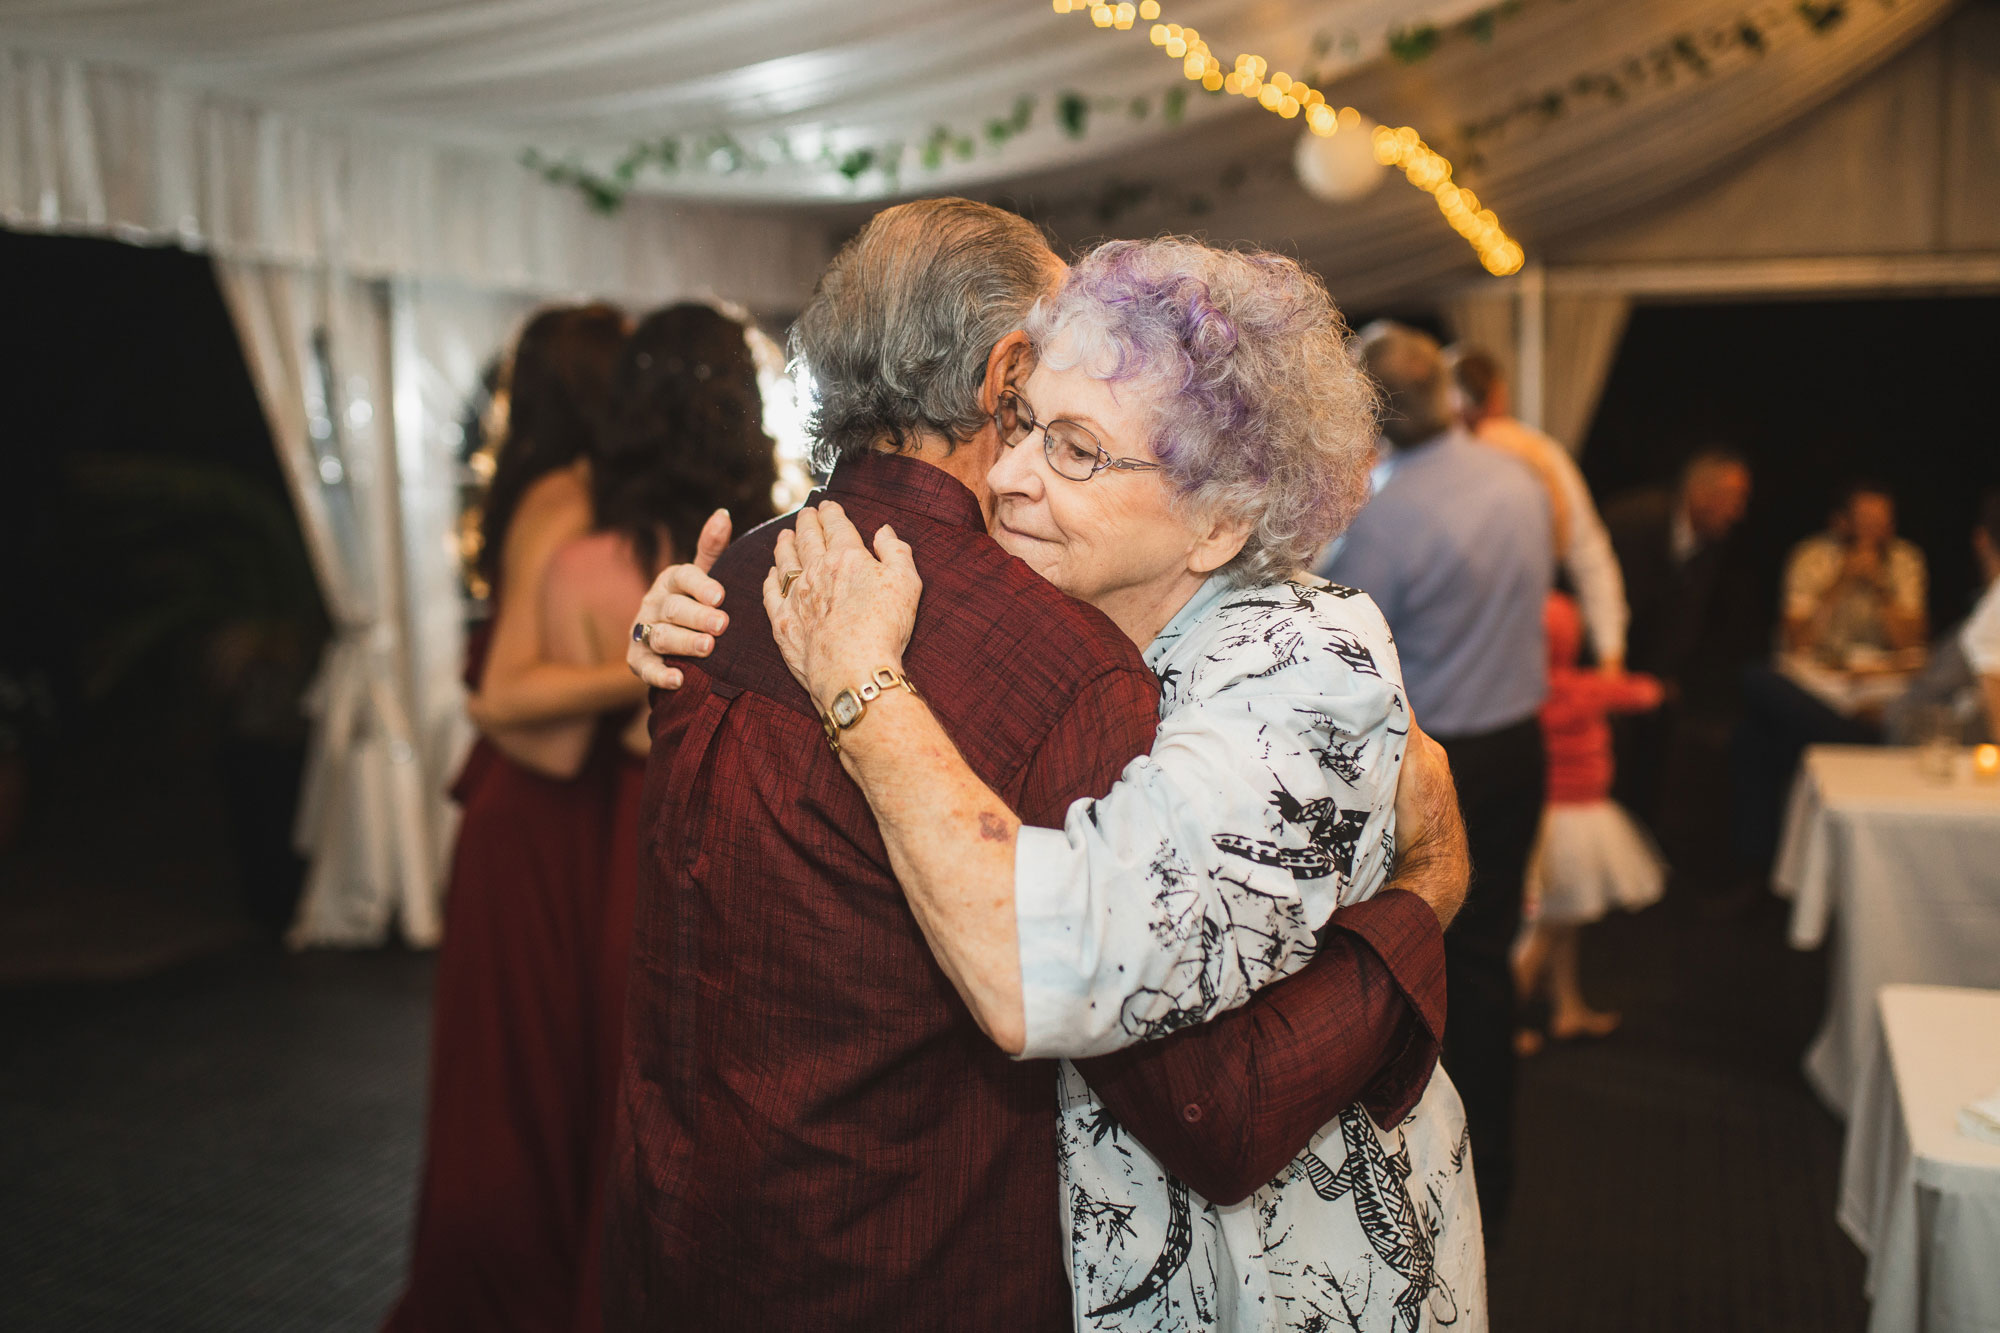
{"x": 505, "y": 1192}
{"x": 686, "y": 439}
{"x": 531, "y": 989}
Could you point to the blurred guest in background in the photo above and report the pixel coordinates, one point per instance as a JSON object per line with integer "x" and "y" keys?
{"x": 1457, "y": 549}
{"x": 1980, "y": 639}
{"x": 501, "y": 1215}
{"x": 1959, "y": 686}
{"x": 686, "y": 435}
{"x": 1583, "y": 547}
{"x": 1591, "y": 857}
{"x": 1855, "y": 591}
{"x": 1853, "y": 619}
{"x": 1669, "y": 544}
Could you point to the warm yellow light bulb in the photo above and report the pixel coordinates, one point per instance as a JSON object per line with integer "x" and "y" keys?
{"x": 1288, "y": 107}
{"x": 1212, "y": 80}
{"x": 1232, "y": 83}
{"x": 1282, "y": 81}
{"x": 1062, "y": 6}
{"x": 1349, "y": 118}
{"x": 1122, "y": 17}
{"x": 1149, "y": 10}
{"x": 1176, "y": 47}
{"x": 1158, "y": 34}
{"x": 1101, "y": 15}
{"x": 1191, "y": 35}
{"x": 1194, "y": 67}
{"x": 1269, "y": 96}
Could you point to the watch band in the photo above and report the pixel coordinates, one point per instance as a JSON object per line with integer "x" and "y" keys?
{"x": 851, "y": 705}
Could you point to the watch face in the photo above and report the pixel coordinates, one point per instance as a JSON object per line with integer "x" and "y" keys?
{"x": 846, "y": 709}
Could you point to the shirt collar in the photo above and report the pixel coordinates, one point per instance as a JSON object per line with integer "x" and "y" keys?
{"x": 1213, "y": 590}
{"x": 906, "y": 483}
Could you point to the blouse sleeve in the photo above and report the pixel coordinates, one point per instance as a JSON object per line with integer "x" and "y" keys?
{"x": 1205, "y": 871}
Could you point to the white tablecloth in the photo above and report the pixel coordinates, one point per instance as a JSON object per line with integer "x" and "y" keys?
{"x": 1921, "y": 1198}
{"x": 1912, "y": 869}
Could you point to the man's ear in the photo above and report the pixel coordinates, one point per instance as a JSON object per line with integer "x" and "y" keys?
{"x": 1218, "y": 541}
{"x": 1011, "y": 361}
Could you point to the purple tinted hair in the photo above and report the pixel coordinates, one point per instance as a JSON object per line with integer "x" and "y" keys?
{"x": 1254, "y": 405}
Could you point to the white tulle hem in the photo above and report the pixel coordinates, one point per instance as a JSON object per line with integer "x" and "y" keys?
{"x": 1591, "y": 859}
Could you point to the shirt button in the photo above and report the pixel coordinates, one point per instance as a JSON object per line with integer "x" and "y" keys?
{"x": 1191, "y": 1112}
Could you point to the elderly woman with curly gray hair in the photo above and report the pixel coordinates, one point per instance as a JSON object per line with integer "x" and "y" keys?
{"x": 1191, "y": 433}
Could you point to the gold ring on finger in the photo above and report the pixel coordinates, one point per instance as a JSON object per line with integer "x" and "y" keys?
{"x": 785, "y": 583}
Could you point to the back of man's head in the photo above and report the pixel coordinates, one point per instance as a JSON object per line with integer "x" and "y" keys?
{"x": 896, "y": 337}
{"x": 1408, "y": 365}
{"x": 1482, "y": 386}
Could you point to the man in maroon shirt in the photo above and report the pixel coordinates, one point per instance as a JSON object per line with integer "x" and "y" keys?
{"x": 813, "y": 1131}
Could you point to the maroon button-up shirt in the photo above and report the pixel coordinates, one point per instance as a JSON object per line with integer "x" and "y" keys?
{"x": 813, "y": 1131}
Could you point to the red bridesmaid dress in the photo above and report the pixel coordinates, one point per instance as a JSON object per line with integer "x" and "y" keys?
{"x": 526, "y": 1030}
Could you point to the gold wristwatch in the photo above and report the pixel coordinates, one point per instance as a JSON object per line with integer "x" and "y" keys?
{"x": 850, "y": 706}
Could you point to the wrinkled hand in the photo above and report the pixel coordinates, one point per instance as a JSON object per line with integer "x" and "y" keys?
{"x": 1432, "y": 858}
{"x": 680, "y": 608}
{"x": 849, "y": 612}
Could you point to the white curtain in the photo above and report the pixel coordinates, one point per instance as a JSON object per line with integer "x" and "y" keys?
{"x": 126, "y": 152}
{"x": 318, "y": 347}
{"x": 1484, "y": 317}
{"x": 1583, "y": 333}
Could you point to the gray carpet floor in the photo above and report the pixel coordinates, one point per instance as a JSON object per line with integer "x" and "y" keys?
{"x": 233, "y": 1145}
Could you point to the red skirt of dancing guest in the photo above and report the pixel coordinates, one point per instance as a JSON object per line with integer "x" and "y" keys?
{"x": 537, "y": 926}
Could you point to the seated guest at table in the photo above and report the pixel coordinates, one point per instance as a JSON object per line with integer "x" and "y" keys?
{"x": 1960, "y": 681}
{"x": 1981, "y": 640}
{"x": 1853, "y": 596}
{"x": 815, "y": 1132}
{"x": 1855, "y": 591}
{"x": 1669, "y": 544}
{"x": 1583, "y": 547}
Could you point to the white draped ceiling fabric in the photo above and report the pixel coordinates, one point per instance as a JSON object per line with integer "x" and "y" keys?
{"x": 354, "y": 165}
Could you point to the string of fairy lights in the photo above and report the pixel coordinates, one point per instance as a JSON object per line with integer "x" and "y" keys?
{"x": 1280, "y": 93}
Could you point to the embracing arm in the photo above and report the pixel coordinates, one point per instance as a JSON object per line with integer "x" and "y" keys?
{"x": 1224, "y": 1105}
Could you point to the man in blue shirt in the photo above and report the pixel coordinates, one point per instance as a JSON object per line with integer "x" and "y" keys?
{"x": 1458, "y": 549}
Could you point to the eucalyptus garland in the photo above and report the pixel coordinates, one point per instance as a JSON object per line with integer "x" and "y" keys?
{"x": 1691, "y": 52}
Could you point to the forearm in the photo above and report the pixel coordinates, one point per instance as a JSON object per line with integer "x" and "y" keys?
{"x": 951, "y": 843}
{"x": 1224, "y": 1106}
{"x": 556, "y": 692}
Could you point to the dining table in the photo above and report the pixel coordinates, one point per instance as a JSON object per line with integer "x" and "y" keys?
{"x": 1891, "y": 859}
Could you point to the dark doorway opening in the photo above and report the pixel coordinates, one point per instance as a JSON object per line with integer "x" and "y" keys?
{"x": 159, "y": 625}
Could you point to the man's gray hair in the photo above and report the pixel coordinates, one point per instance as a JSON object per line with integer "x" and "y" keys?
{"x": 895, "y": 340}
{"x": 1409, "y": 367}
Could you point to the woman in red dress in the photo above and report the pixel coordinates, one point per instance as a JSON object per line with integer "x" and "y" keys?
{"x": 531, "y": 982}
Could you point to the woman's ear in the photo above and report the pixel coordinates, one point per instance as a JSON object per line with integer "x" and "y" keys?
{"x": 1218, "y": 540}
{"x": 1011, "y": 361}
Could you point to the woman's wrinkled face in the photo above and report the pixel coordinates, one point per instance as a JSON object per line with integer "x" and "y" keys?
{"x": 1115, "y": 539}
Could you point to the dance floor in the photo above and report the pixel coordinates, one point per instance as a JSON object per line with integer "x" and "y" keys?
{"x": 233, "y": 1145}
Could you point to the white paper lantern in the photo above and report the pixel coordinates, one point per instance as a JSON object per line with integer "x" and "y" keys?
{"x": 1340, "y": 167}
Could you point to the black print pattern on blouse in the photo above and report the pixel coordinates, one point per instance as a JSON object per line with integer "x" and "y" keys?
{"x": 1193, "y": 989}
{"x": 1332, "y": 834}
{"x": 1379, "y": 1186}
